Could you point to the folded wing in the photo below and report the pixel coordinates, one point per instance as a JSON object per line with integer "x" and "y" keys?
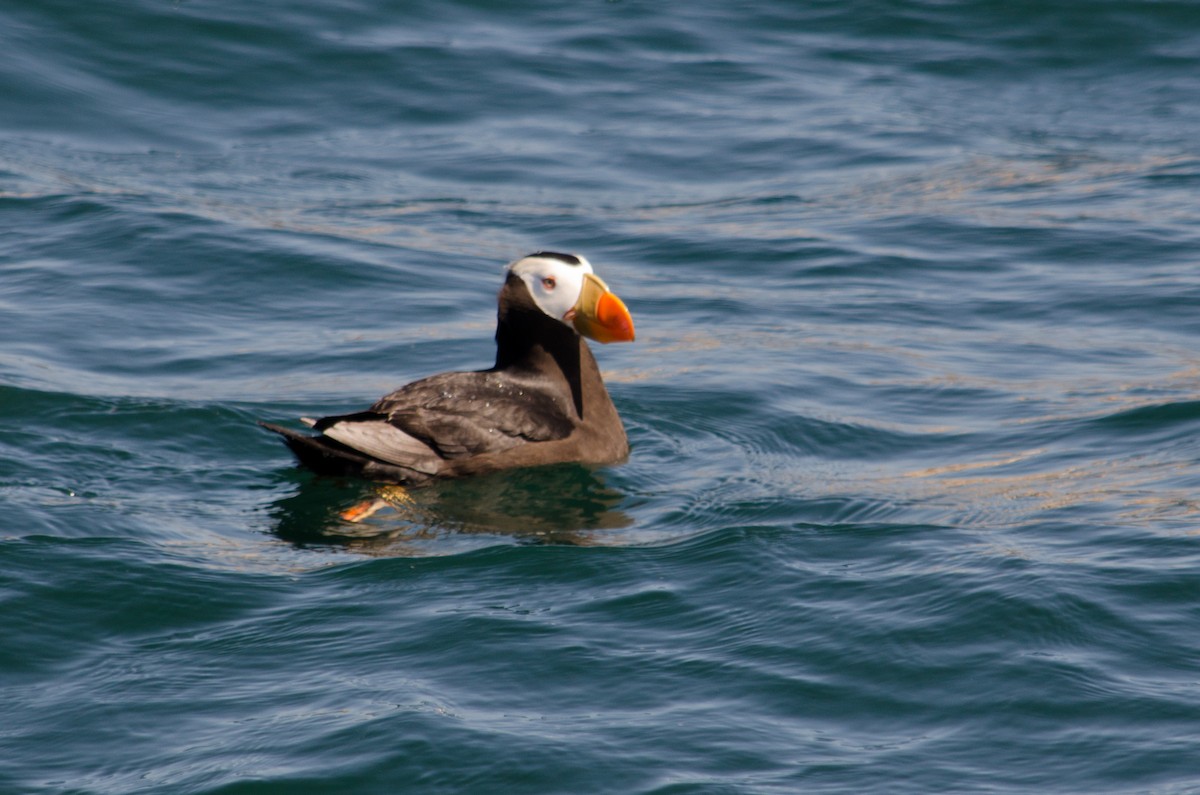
{"x": 450, "y": 416}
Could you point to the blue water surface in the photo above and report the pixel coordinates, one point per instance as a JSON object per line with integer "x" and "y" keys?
{"x": 913, "y": 501}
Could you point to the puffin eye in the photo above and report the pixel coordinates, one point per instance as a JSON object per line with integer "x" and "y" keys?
{"x": 548, "y": 283}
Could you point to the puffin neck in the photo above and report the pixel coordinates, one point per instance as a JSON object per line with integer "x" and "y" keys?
{"x": 530, "y": 341}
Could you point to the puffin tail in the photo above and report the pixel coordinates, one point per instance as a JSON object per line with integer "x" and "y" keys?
{"x": 327, "y": 456}
{"x": 321, "y": 454}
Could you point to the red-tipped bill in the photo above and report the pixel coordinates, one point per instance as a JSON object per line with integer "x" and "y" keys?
{"x": 600, "y": 315}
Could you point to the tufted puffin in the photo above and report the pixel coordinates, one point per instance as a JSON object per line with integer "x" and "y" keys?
{"x": 542, "y": 403}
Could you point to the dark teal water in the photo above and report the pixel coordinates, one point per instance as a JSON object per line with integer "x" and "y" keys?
{"x": 914, "y": 499}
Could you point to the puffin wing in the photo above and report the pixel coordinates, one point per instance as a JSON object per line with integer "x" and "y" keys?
{"x": 376, "y": 436}
{"x": 465, "y": 414}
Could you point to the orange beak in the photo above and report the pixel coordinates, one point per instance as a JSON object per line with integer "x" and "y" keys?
{"x": 600, "y": 315}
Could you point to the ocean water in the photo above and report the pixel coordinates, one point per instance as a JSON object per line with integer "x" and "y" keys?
{"x": 914, "y": 498}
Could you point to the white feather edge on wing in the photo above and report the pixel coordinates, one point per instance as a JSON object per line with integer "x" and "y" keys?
{"x": 388, "y": 443}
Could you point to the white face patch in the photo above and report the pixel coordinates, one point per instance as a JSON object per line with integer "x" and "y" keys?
{"x": 554, "y": 283}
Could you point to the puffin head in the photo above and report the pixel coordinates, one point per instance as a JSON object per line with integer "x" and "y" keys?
{"x": 565, "y": 288}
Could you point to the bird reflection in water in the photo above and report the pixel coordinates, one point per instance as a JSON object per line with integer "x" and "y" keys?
{"x": 566, "y": 504}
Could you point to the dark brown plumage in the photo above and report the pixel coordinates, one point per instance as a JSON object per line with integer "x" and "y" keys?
{"x": 543, "y": 402}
